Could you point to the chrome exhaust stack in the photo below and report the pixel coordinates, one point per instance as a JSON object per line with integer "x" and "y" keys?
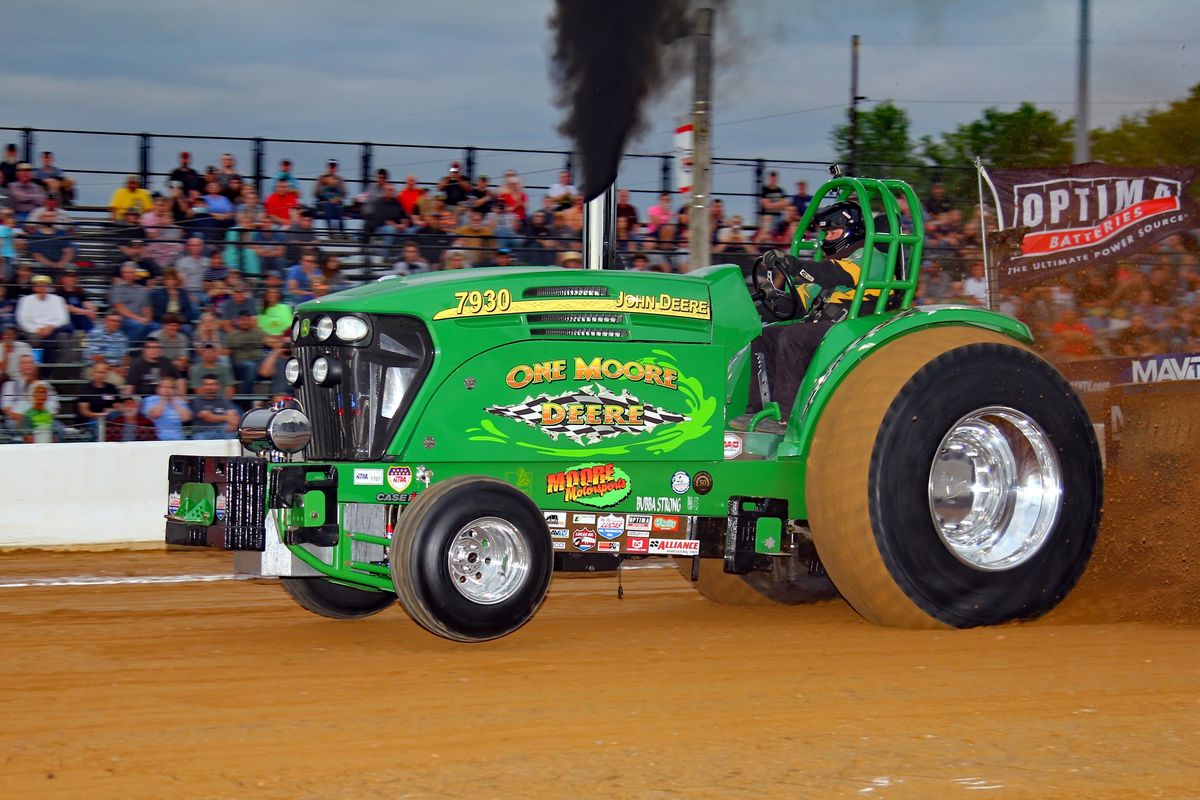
{"x": 600, "y": 230}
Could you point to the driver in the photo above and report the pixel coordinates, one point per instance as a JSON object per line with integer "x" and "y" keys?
{"x": 825, "y": 289}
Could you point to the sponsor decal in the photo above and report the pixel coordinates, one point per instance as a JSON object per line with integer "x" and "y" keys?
{"x": 559, "y": 545}
{"x": 393, "y": 497}
{"x": 681, "y": 482}
{"x": 666, "y": 524}
{"x": 608, "y": 547}
{"x": 1161, "y": 369}
{"x": 638, "y": 534}
{"x": 637, "y": 546}
{"x": 368, "y": 477}
{"x": 584, "y": 539}
{"x": 596, "y": 485}
{"x": 173, "y": 503}
{"x": 733, "y": 445}
{"x": 560, "y": 533}
{"x": 669, "y": 505}
{"x": 305, "y": 326}
{"x": 555, "y": 519}
{"x": 675, "y": 547}
{"x": 637, "y": 522}
{"x": 221, "y": 501}
{"x": 588, "y": 415}
{"x": 702, "y": 483}
{"x": 399, "y": 478}
{"x": 584, "y": 519}
{"x": 496, "y": 302}
{"x": 610, "y": 526}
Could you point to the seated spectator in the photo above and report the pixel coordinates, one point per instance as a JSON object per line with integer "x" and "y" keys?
{"x": 269, "y": 243}
{"x": 188, "y": 179}
{"x": 572, "y": 216}
{"x": 9, "y": 232}
{"x": 331, "y": 271}
{"x": 8, "y": 167}
{"x": 410, "y": 196}
{"x": 279, "y": 203}
{"x": 476, "y": 238}
{"x": 110, "y": 343}
{"x": 164, "y": 239}
{"x": 131, "y": 301}
{"x": 239, "y": 251}
{"x": 172, "y": 299}
{"x": 213, "y": 415}
{"x": 50, "y": 247}
{"x": 52, "y": 213}
{"x": 58, "y": 186}
{"x": 176, "y": 346}
{"x": 286, "y": 174}
{"x": 8, "y": 309}
{"x": 659, "y": 215}
{"x": 241, "y": 303}
{"x": 130, "y": 197}
{"x": 330, "y": 193}
{"x": 147, "y": 268}
{"x": 455, "y": 186}
{"x": 16, "y": 397}
{"x": 43, "y": 318}
{"x": 299, "y": 277}
{"x": 434, "y": 236}
{"x": 38, "y": 421}
{"x": 273, "y": 306}
{"x": 82, "y": 310}
{"x": 25, "y": 194}
{"x": 504, "y": 257}
{"x": 1071, "y": 338}
{"x": 11, "y": 350}
{"x": 562, "y": 193}
{"x": 481, "y": 198}
{"x": 208, "y": 331}
{"x": 627, "y": 211}
{"x": 215, "y": 271}
{"x": 233, "y": 189}
{"x": 150, "y": 368}
{"x": 168, "y": 411}
{"x": 97, "y": 399}
{"x": 245, "y": 343}
{"x": 192, "y": 264}
{"x": 384, "y": 217}
{"x": 455, "y": 259}
{"x": 801, "y": 198}
{"x": 218, "y": 209}
{"x": 298, "y": 237}
{"x": 126, "y": 423}
{"x": 571, "y": 260}
{"x": 210, "y": 364}
{"x": 411, "y": 262}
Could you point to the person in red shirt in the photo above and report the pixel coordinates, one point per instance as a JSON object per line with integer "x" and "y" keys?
{"x": 280, "y": 202}
{"x": 1070, "y": 337}
{"x": 410, "y": 195}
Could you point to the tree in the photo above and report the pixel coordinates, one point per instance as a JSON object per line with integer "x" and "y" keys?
{"x": 1170, "y": 136}
{"x": 884, "y": 147}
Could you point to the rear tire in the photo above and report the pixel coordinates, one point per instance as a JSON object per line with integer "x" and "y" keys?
{"x": 912, "y": 522}
{"x": 334, "y": 600}
{"x": 471, "y": 559}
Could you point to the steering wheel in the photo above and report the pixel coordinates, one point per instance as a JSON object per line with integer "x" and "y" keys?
{"x": 774, "y": 287}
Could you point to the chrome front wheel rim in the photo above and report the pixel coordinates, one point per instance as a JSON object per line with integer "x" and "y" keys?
{"x": 488, "y": 560}
{"x": 995, "y": 488}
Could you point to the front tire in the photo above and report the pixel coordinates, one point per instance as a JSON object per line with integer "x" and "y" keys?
{"x": 471, "y": 559}
{"x": 954, "y": 481}
{"x": 334, "y": 600}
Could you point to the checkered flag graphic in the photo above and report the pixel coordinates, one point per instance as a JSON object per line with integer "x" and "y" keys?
{"x": 529, "y": 411}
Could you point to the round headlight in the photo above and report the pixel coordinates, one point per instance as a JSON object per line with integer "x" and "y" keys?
{"x": 320, "y": 370}
{"x": 352, "y": 329}
{"x": 291, "y": 371}
{"x": 324, "y": 328}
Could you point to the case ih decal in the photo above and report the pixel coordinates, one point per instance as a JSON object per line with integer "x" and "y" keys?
{"x": 595, "y": 485}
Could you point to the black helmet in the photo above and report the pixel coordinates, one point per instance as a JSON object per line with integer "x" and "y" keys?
{"x": 848, "y": 217}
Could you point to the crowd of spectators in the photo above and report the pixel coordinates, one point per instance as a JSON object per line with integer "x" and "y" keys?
{"x": 185, "y": 323}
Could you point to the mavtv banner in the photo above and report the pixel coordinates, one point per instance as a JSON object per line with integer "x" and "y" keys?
{"x": 1055, "y": 221}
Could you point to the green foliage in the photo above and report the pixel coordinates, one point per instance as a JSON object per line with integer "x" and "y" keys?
{"x": 883, "y": 139}
{"x": 1169, "y": 136}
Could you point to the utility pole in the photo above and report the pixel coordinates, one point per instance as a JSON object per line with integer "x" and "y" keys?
{"x": 1083, "y": 143}
{"x": 700, "y": 217}
{"x": 851, "y": 167}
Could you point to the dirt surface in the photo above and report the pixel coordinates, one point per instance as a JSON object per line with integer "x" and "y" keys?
{"x": 227, "y": 689}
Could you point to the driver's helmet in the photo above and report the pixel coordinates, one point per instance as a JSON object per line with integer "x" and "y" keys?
{"x": 848, "y": 217}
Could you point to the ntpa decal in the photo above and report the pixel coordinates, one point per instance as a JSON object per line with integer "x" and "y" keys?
{"x": 595, "y": 485}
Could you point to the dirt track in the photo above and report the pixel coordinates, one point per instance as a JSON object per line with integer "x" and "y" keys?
{"x": 227, "y": 690}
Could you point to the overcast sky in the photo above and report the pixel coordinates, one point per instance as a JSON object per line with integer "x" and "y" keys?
{"x": 459, "y": 72}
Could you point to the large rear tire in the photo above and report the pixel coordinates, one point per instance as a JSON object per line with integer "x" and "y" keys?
{"x": 471, "y": 559}
{"x": 954, "y": 480}
{"x": 334, "y": 600}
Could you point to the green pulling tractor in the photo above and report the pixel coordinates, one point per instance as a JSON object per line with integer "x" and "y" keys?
{"x": 455, "y": 436}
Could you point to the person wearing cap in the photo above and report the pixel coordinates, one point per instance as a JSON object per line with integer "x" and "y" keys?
{"x": 455, "y": 186}
{"x": 51, "y": 210}
{"x": 135, "y": 253}
{"x": 330, "y": 194}
{"x": 504, "y": 257}
{"x": 25, "y": 194}
{"x": 43, "y": 318}
{"x": 82, "y": 310}
{"x": 571, "y": 260}
{"x": 130, "y": 197}
{"x": 188, "y": 179}
{"x": 126, "y": 422}
{"x": 129, "y": 298}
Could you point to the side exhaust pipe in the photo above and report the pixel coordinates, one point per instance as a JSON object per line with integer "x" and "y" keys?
{"x": 600, "y": 230}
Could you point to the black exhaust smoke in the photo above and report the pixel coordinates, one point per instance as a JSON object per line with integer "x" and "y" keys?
{"x": 609, "y": 57}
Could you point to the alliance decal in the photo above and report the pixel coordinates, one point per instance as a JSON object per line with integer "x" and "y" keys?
{"x": 675, "y": 547}
{"x": 595, "y": 485}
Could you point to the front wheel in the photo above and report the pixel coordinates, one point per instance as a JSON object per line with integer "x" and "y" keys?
{"x": 471, "y": 559}
{"x": 954, "y": 480}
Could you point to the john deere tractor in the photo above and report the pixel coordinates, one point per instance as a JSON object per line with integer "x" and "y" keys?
{"x": 455, "y": 436}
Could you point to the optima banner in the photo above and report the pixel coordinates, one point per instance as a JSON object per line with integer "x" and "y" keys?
{"x": 1055, "y": 221}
